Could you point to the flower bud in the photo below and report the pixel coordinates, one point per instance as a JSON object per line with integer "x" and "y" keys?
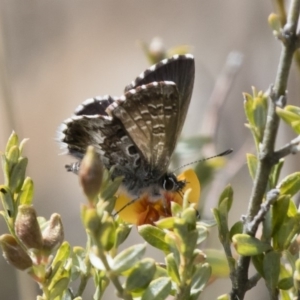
{"x": 53, "y": 234}
{"x": 14, "y": 253}
{"x": 90, "y": 218}
{"x": 91, "y": 173}
{"x": 27, "y": 227}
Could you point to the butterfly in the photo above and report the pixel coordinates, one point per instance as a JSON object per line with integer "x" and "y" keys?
{"x": 137, "y": 132}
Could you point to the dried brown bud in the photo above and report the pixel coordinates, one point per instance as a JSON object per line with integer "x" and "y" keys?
{"x": 27, "y": 227}
{"x": 91, "y": 173}
{"x": 14, "y": 253}
{"x": 53, "y": 234}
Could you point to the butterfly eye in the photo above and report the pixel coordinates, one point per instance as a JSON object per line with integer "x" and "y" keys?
{"x": 169, "y": 183}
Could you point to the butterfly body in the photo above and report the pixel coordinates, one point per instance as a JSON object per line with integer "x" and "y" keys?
{"x": 137, "y": 132}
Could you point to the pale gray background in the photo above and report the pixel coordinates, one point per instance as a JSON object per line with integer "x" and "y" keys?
{"x": 58, "y": 53}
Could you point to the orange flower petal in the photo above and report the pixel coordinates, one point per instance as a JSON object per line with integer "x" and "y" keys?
{"x": 193, "y": 183}
{"x": 129, "y": 213}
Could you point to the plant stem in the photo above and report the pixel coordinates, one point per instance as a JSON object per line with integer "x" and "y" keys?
{"x": 85, "y": 277}
{"x": 266, "y": 155}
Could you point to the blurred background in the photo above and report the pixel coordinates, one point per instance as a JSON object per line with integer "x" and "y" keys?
{"x": 55, "y": 54}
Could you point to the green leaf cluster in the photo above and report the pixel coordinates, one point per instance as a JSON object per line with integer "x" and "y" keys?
{"x": 185, "y": 265}
{"x": 256, "y": 106}
{"x": 291, "y": 115}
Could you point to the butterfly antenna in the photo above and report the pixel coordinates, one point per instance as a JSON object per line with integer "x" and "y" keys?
{"x": 228, "y": 151}
{"x": 126, "y": 205}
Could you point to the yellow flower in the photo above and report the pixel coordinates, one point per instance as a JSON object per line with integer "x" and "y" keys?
{"x": 143, "y": 211}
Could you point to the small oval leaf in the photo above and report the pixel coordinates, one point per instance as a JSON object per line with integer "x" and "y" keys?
{"x": 128, "y": 257}
{"x": 290, "y": 185}
{"x": 247, "y": 245}
{"x": 154, "y": 236}
{"x": 158, "y": 289}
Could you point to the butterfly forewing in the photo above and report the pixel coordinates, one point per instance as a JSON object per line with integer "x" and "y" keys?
{"x": 179, "y": 69}
{"x": 108, "y": 137}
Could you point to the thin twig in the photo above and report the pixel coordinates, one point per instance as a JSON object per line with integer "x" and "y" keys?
{"x": 264, "y": 208}
{"x": 291, "y": 148}
{"x": 252, "y": 282}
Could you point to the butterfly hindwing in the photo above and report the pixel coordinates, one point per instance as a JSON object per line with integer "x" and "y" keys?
{"x": 108, "y": 137}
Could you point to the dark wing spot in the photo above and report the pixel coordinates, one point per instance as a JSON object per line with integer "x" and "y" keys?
{"x": 132, "y": 150}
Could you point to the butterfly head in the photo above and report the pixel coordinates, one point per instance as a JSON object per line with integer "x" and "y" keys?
{"x": 170, "y": 183}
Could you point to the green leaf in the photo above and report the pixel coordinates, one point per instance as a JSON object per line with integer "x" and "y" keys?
{"x": 290, "y": 185}
{"x": 176, "y": 209}
{"x": 218, "y": 262}
{"x": 247, "y": 245}
{"x": 297, "y": 274}
{"x": 284, "y": 295}
{"x": 160, "y": 272}
{"x": 189, "y": 215}
{"x": 18, "y": 175}
{"x": 107, "y": 233}
{"x": 7, "y": 201}
{"x": 236, "y": 228}
{"x": 227, "y": 195}
{"x": 154, "y": 236}
{"x": 279, "y": 212}
{"x": 13, "y": 155}
{"x": 200, "y": 278}
{"x": 272, "y": 268}
{"x": 166, "y": 223}
{"x": 286, "y": 283}
{"x": 258, "y": 262}
{"x": 293, "y": 109}
{"x": 5, "y": 169}
{"x": 256, "y": 107}
{"x": 109, "y": 187}
{"x": 101, "y": 283}
{"x": 275, "y": 23}
{"x": 62, "y": 254}
{"x": 286, "y": 232}
{"x": 128, "y": 258}
{"x": 221, "y": 217}
{"x": 188, "y": 237}
{"x": 26, "y": 192}
{"x": 141, "y": 275}
{"x": 252, "y": 162}
{"x": 202, "y": 233}
{"x": 267, "y": 226}
{"x": 290, "y": 116}
{"x": 172, "y": 240}
{"x": 59, "y": 288}
{"x": 13, "y": 140}
{"x": 122, "y": 233}
{"x": 79, "y": 265}
{"x": 158, "y": 289}
{"x": 172, "y": 268}
{"x": 275, "y": 173}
